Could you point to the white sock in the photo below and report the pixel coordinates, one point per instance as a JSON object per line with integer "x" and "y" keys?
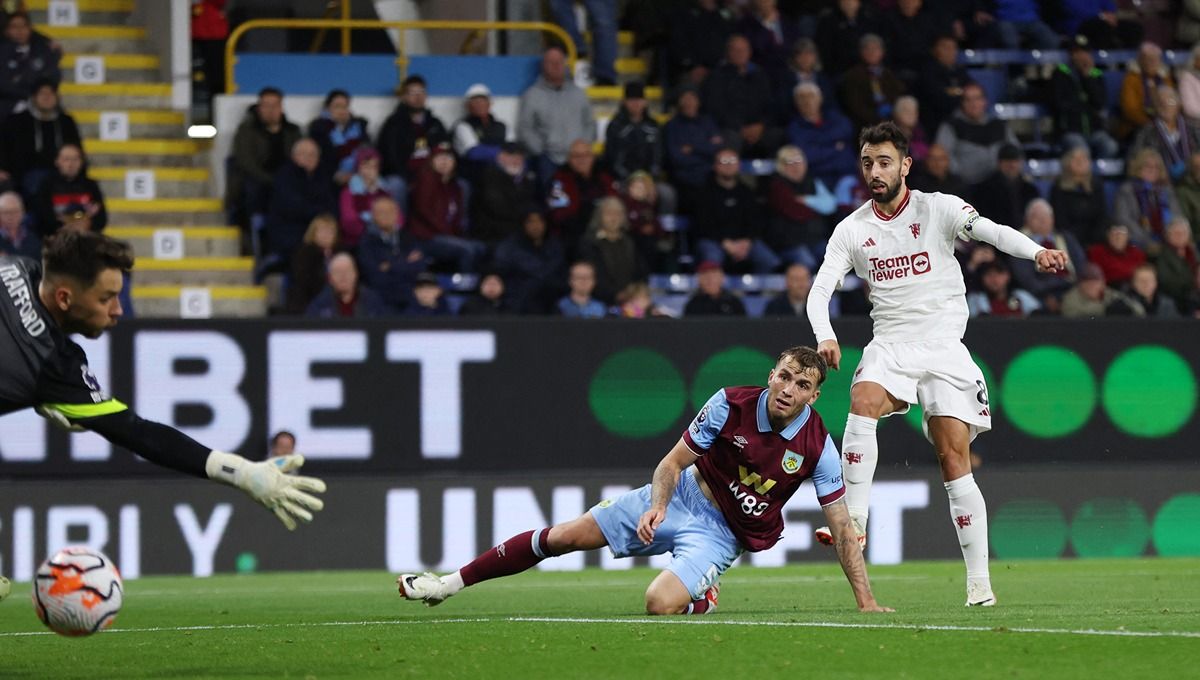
{"x": 454, "y": 582}
{"x": 860, "y": 454}
{"x": 969, "y": 514}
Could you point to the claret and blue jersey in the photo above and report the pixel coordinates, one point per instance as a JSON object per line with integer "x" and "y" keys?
{"x": 752, "y": 470}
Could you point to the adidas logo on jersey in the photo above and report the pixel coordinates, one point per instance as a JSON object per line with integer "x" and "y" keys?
{"x": 868, "y": 243}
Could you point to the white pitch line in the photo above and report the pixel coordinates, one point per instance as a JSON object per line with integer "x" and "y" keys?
{"x": 652, "y": 621}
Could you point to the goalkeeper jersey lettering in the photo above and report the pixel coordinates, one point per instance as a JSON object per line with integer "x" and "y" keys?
{"x": 752, "y": 470}
{"x": 41, "y": 364}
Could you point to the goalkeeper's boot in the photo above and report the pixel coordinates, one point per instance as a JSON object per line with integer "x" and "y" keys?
{"x": 427, "y": 588}
{"x": 979, "y": 593}
{"x": 825, "y": 537}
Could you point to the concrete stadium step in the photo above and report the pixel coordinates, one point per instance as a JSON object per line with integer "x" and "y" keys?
{"x": 118, "y": 68}
{"x": 146, "y": 152}
{"x": 168, "y": 182}
{"x": 116, "y": 96}
{"x": 197, "y": 241}
{"x": 616, "y": 93}
{"x": 164, "y": 301}
{"x": 109, "y": 39}
{"x": 179, "y": 211}
{"x": 143, "y": 124}
{"x": 194, "y": 271}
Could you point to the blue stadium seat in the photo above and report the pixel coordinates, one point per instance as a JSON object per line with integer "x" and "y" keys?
{"x": 459, "y": 283}
{"x": 1043, "y": 167}
{"x": 993, "y": 80}
{"x": 1043, "y": 187}
{"x": 1110, "y": 167}
{"x": 759, "y": 167}
{"x": 1112, "y": 87}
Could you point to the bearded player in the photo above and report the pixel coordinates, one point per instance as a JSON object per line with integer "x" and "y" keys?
{"x": 902, "y": 243}
{"x": 719, "y": 491}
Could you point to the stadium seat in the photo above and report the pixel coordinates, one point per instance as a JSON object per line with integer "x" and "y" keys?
{"x": 1043, "y": 167}
{"x": 1110, "y": 167}
{"x": 758, "y": 167}
{"x": 1112, "y": 88}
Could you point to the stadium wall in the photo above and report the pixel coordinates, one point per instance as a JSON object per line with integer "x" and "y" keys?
{"x": 552, "y": 395}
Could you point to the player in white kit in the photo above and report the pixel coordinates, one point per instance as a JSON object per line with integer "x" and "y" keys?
{"x": 902, "y": 244}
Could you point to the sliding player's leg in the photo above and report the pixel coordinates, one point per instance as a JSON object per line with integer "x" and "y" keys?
{"x": 517, "y": 554}
{"x": 702, "y": 548}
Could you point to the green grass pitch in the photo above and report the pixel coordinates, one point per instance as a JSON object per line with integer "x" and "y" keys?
{"x": 1056, "y": 619}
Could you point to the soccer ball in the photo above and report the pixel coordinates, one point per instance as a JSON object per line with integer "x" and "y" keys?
{"x": 77, "y": 591}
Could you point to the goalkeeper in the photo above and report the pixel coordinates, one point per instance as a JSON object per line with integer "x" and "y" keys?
{"x": 74, "y": 290}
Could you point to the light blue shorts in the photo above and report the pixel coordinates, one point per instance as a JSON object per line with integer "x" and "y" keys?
{"x": 695, "y": 533}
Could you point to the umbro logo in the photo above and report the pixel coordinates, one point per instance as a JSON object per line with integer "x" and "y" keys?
{"x": 868, "y": 243}
{"x": 739, "y": 441}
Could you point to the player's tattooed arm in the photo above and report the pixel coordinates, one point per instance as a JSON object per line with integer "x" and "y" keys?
{"x": 662, "y": 487}
{"x": 850, "y": 555}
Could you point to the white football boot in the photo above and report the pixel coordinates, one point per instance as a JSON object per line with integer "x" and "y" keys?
{"x": 427, "y": 588}
{"x": 979, "y": 594}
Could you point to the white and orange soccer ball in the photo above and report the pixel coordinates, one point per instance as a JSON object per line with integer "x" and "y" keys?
{"x": 77, "y": 591}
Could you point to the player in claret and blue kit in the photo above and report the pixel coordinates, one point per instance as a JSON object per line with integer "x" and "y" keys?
{"x": 720, "y": 491}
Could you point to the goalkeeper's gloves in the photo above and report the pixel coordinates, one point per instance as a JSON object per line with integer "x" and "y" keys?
{"x": 56, "y": 418}
{"x": 268, "y": 483}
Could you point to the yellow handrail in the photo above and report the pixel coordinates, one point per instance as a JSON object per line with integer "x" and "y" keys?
{"x": 402, "y": 59}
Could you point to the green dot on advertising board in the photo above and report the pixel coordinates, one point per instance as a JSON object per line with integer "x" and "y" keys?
{"x": 1048, "y": 392}
{"x": 834, "y": 403}
{"x": 1175, "y": 527}
{"x": 1149, "y": 391}
{"x": 1110, "y": 527}
{"x": 637, "y": 393}
{"x": 734, "y": 366}
{"x": 1028, "y": 529}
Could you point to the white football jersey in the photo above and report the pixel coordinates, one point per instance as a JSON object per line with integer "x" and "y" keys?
{"x": 915, "y": 284}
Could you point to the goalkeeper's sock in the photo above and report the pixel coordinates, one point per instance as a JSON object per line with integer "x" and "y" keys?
{"x": 860, "y": 454}
{"x": 969, "y": 513}
{"x": 510, "y": 557}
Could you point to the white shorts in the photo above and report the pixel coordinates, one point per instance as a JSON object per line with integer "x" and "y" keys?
{"x": 938, "y": 374}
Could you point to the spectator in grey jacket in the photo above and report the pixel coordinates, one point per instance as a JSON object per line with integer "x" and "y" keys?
{"x": 973, "y": 137}
{"x": 553, "y": 113}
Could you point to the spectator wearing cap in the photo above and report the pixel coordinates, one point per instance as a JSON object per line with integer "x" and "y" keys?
{"x": 633, "y": 140}
{"x": 1003, "y": 195}
{"x": 973, "y": 137}
{"x": 771, "y": 35}
{"x": 30, "y": 140}
{"x": 1048, "y": 287}
{"x": 410, "y": 132}
{"x": 728, "y": 224}
{"x": 1090, "y": 298}
{"x": 506, "y": 190}
{"x": 1143, "y": 77}
{"x": 574, "y": 190}
{"x": 1116, "y": 256}
{"x": 345, "y": 297}
{"x": 553, "y": 114}
{"x": 390, "y": 258}
{"x": 359, "y": 193}
{"x": 1146, "y": 201}
{"x": 711, "y": 298}
{"x": 301, "y": 192}
{"x": 870, "y": 88}
{"x": 578, "y": 303}
{"x": 26, "y": 58}
{"x": 1079, "y": 101}
{"x": 611, "y": 249}
{"x": 428, "y": 298}
{"x": 478, "y": 135}
{"x": 803, "y": 66}
{"x": 824, "y": 135}
{"x": 998, "y": 297}
{"x": 1169, "y": 133}
{"x": 261, "y": 146}
{"x": 942, "y": 82}
{"x": 738, "y": 97}
{"x": 438, "y": 212}
{"x": 533, "y": 264}
{"x": 17, "y": 235}
{"x": 338, "y": 133}
{"x": 68, "y": 195}
{"x": 489, "y": 298}
{"x": 692, "y": 139}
